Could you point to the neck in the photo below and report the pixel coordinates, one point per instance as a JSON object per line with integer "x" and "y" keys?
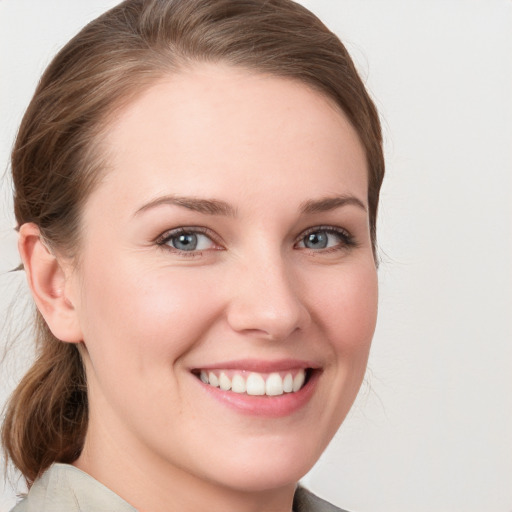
{"x": 151, "y": 484}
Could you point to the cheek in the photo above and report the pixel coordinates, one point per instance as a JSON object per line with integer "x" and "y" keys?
{"x": 347, "y": 306}
{"x": 145, "y": 316}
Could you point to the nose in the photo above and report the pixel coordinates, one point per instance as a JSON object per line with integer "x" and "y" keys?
{"x": 266, "y": 301}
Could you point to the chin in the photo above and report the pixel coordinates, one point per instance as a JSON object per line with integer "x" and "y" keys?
{"x": 269, "y": 466}
{"x": 267, "y": 477}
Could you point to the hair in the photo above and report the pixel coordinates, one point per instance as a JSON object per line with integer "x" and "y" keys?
{"x": 57, "y": 159}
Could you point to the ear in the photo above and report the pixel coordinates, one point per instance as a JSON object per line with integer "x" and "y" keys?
{"x": 48, "y": 280}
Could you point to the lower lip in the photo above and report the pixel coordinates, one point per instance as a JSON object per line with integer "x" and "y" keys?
{"x": 266, "y": 406}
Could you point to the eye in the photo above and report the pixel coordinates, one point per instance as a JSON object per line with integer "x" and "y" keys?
{"x": 321, "y": 238}
{"x": 186, "y": 240}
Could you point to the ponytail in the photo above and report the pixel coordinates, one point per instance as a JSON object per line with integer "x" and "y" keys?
{"x": 46, "y": 416}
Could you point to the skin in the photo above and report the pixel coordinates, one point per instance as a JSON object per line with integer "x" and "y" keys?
{"x": 146, "y": 313}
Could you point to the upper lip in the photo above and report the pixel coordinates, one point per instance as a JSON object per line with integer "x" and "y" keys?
{"x": 260, "y": 366}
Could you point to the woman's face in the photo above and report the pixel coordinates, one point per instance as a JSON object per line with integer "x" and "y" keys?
{"x": 227, "y": 245}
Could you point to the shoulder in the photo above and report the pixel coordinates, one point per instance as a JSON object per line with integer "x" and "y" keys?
{"x": 64, "y": 488}
{"x": 21, "y": 506}
{"x": 306, "y": 501}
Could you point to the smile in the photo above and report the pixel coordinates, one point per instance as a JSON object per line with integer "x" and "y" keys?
{"x": 255, "y": 383}
{"x": 261, "y": 388}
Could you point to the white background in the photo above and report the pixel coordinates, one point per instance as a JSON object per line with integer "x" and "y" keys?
{"x": 432, "y": 428}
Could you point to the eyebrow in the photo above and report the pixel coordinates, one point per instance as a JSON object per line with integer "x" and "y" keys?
{"x": 217, "y": 207}
{"x": 206, "y": 206}
{"x": 330, "y": 203}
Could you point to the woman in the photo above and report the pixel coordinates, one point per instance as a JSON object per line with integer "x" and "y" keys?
{"x": 196, "y": 188}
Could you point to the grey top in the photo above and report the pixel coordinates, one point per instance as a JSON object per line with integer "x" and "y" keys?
{"x": 64, "y": 488}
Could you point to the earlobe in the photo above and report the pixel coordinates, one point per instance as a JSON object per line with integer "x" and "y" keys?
{"x": 47, "y": 280}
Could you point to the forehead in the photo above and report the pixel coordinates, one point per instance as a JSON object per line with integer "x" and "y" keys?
{"x": 209, "y": 125}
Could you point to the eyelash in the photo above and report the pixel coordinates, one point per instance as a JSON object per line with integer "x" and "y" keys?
{"x": 346, "y": 239}
{"x": 164, "y": 239}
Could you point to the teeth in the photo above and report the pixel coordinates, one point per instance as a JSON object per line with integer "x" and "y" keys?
{"x": 238, "y": 384}
{"x": 256, "y": 384}
{"x": 288, "y": 383}
{"x": 274, "y": 385}
{"x": 224, "y": 382}
{"x": 298, "y": 381}
{"x": 213, "y": 380}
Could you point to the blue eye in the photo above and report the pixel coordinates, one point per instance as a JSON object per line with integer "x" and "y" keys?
{"x": 186, "y": 240}
{"x": 325, "y": 238}
{"x": 318, "y": 240}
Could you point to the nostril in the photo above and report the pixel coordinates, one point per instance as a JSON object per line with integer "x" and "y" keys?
{"x": 262, "y": 319}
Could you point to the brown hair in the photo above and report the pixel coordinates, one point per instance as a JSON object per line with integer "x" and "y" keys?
{"x": 56, "y": 160}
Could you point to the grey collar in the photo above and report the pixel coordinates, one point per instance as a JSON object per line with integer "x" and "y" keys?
{"x": 65, "y": 488}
